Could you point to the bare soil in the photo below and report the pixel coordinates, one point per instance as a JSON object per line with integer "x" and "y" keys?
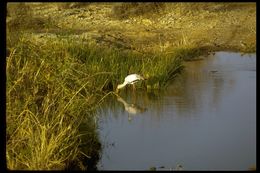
{"x": 216, "y": 27}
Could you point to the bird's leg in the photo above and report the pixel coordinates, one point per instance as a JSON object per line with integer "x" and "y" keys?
{"x": 134, "y": 98}
{"x": 133, "y": 93}
{"x": 134, "y": 87}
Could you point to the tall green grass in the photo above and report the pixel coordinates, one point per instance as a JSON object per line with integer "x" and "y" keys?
{"x": 52, "y": 88}
{"x": 111, "y": 65}
{"x": 46, "y": 102}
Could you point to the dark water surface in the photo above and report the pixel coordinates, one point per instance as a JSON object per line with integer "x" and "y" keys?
{"x": 205, "y": 120}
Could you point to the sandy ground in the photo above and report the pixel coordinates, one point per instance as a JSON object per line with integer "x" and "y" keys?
{"x": 214, "y": 28}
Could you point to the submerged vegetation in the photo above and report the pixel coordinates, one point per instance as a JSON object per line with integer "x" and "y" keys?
{"x": 56, "y": 78}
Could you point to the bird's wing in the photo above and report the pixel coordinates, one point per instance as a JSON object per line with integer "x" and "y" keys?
{"x": 132, "y": 78}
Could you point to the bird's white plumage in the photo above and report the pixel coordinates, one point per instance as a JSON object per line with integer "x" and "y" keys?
{"x": 133, "y": 78}
{"x": 130, "y": 79}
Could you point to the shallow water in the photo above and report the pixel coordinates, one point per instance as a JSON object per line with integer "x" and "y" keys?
{"x": 205, "y": 120}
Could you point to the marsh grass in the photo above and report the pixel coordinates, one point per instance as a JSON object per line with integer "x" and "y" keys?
{"x": 115, "y": 65}
{"x": 45, "y": 107}
{"x": 54, "y": 87}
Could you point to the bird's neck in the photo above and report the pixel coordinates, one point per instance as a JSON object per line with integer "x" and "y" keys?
{"x": 121, "y": 85}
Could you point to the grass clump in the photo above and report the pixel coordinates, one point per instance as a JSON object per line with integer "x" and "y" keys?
{"x": 158, "y": 68}
{"x": 21, "y": 18}
{"x": 126, "y": 10}
{"x": 44, "y": 109}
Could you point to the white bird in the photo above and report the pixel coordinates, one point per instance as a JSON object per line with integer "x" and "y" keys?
{"x": 130, "y": 79}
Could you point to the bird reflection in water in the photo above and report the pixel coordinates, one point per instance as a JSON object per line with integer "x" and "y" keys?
{"x": 131, "y": 108}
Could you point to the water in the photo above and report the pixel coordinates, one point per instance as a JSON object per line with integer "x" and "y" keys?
{"x": 205, "y": 120}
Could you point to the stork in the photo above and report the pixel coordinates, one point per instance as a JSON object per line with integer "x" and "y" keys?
{"x": 130, "y": 79}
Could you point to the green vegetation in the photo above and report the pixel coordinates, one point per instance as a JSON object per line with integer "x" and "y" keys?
{"x": 52, "y": 87}
{"x": 56, "y": 81}
{"x": 45, "y": 106}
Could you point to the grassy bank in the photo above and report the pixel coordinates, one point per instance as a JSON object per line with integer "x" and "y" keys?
{"x": 53, "y": 87}
{"x": 45, "y": 107}
{"x": 58, "y": 75}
